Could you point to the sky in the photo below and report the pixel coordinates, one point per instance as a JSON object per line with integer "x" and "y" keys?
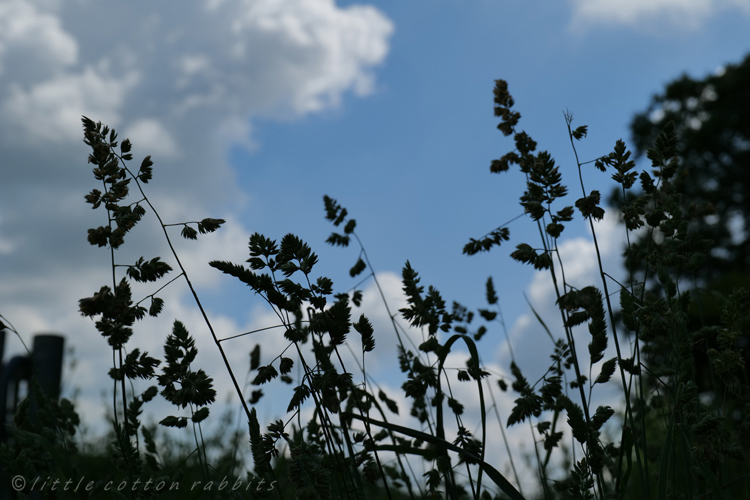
{"x": 252, "y": 111}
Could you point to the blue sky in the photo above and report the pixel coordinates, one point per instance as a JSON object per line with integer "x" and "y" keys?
{"x": 416, "y": 152}
{"x": 252, "y": 111}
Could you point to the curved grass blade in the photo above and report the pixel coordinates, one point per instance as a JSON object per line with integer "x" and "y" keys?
{"x": 475, "y": 358}
{"x": 502, "y": 483}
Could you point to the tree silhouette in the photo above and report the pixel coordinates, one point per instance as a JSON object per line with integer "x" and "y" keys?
{"x": 712, "y": 122}
{"x": 711, "y": 119}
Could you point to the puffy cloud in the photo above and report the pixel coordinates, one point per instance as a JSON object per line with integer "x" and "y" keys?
{"x": 183, "y": 86}
{"x": 685, "y": 13}
{"x": 172, "y": 82}
{"x": 51, "y": 111}
{"x": 336, "y": 43}
{"x": 151, "y": 135}
{"x": 293, "y": 56}
{"x": 28, "y": 34}
{"x": 238, "y": 59}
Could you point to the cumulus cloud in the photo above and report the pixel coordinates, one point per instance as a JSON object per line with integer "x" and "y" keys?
{"x": 151, "y": 135}
{"x": 50, "y": 111}
{"x": 322, "y": 49}
{"x": 29, "y": 34}
{"x": 685, "y": 13}
{"x": 184, "y": 85}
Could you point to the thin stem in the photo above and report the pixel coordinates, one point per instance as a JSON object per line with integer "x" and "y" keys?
{"x": 160, "y": 288}
{"x": 609, "y": 307}
{"x": 505, "y": 439}
{"x": 192, "y": 291}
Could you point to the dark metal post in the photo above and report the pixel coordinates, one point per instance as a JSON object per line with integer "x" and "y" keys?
{"x": 47, "y": 359}
{"x": 45, "y": 364}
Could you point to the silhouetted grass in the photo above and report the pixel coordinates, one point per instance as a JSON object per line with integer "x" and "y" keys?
{"x": 671, "y": 444}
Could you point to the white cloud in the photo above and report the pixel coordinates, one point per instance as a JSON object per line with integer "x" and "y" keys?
{"x": 235, "y": 131}
{"x": 151, "y": 135}
{"x": 183, "y": 86}
{"x": 137, "y": 80}
{"x": 303, "y": 54}
{"x": 51, "y": 111}
{"x": 239, "y": 59}
{"x": 685, "y": 13}
{"x": 27, "y": 34}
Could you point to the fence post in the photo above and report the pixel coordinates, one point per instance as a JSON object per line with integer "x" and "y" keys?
{"x": 47, "y": 360}
{"x": 45, "y": 364}
{"x": 2, "y": 347}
